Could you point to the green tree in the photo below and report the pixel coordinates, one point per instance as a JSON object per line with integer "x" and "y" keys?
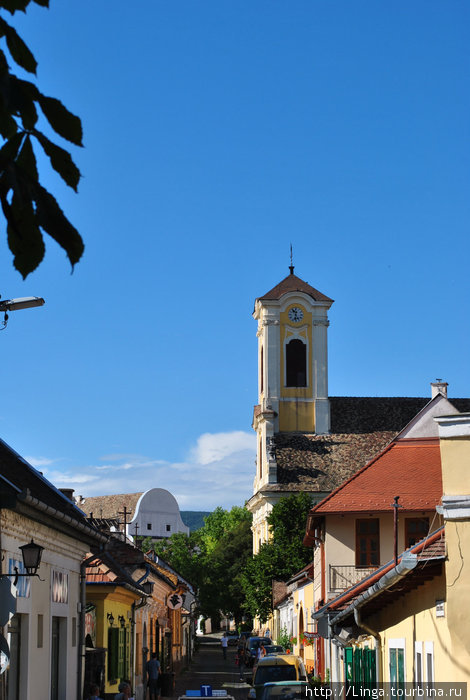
{"x": 29, "y": 209}
{"x": 212, "y": 560}
{"x": 281, "y": 557}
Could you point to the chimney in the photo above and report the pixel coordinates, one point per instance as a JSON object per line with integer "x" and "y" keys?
{"x": 68, "y": 493}
{"x": 439, "y": 387}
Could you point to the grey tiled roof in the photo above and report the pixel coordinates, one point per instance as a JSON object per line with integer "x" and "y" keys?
{"x": 361, "y": 427}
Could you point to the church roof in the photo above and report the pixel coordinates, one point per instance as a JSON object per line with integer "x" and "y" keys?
{"x": 361, "y": 427}
{"x": 292, "y": 283}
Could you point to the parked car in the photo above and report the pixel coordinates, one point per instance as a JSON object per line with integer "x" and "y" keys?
{"x": 232, "y": 637}
{"x": 274, "y": 649}
{"x": 251, "y": 648}
{"x": 285, "y": 690}
{"x": 276, "y": 668}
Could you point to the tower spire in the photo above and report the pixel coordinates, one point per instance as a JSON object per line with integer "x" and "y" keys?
{"x": 291, "y": 266}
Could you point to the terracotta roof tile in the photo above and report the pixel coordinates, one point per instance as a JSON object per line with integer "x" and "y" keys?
{"x": 409, "y": 469}
{"x": 292, "y": 283}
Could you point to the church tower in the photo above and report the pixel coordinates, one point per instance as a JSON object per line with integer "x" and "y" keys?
{"x": 292, "y": 382}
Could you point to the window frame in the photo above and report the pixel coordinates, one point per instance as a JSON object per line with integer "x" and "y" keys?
{"x": 369, "y": 536}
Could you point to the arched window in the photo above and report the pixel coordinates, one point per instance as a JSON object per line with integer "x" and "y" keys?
{"x": 296, "y": 363}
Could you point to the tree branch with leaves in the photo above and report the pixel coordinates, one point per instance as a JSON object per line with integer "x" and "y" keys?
{"x": 29, "y": 209}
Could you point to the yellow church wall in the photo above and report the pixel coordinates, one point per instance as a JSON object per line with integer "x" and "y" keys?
{"x": 297, "y": 416}
{"x": 304, "y": 331}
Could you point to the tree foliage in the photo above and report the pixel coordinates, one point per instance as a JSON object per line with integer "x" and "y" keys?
{"x": 29, "y": 209}
{"x": 212, "y": 560}
{"x": 281, "y": 557}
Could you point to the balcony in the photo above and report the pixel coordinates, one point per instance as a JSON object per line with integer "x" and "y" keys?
{"x": 343, "y": 577}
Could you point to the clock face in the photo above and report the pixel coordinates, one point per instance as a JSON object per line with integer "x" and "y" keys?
{"x": 295, "y": 314}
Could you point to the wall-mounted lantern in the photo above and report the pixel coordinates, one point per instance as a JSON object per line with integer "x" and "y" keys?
{"x": 121, "y": 620}
{"x": 110, "y": 617}
{"x": 31, "y": 553}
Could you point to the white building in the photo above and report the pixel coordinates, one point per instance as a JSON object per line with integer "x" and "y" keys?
{"x": 157, "y": 515}
{"x": 44, "y": 634}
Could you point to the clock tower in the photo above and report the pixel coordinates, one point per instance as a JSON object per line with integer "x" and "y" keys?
{"x": 292, "y": 382}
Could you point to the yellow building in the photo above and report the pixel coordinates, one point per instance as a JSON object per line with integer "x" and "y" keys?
{"x": 407, "y": 621}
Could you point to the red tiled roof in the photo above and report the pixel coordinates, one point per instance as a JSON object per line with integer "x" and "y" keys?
{"x": 410, "y": 469}
{"x": 292, "y": 283}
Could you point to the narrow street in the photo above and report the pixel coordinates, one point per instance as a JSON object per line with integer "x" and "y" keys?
{"x": 210, "y": 668}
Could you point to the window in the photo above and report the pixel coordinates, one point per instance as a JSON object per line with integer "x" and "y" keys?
{"x": 296, "y": 363}
{"x": 419, "y": 664}
{"x": 40, "y": 640}
{"x": 149, "y": 526}
{"x": 429, "y": 652}
{"x": 396, "y": 657}
{"x": 367, "y": 542}
{"x": 415, "y": 530}
{"x": 168, "y": 528}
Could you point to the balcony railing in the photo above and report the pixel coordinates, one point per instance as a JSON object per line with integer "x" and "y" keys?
{"x": 342, "y": 577}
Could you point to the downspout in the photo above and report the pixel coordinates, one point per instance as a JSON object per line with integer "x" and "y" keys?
{"x": 378, "y": 641}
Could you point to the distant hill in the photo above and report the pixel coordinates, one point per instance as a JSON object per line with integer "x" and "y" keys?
{"x": 194, "y": 519}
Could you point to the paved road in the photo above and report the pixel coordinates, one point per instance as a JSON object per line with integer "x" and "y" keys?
{"x": 210, "y": 668}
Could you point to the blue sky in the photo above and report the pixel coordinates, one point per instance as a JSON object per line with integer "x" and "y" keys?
{"x": 217, "y": 133}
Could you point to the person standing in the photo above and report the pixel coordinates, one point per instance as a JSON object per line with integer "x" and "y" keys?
{"x": 224, "y": 644}
{"x": 241, "y": 659}
{"x": 153, "y": 672}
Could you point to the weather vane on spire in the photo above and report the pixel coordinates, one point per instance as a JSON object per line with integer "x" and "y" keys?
{"x": 291, "y": 266}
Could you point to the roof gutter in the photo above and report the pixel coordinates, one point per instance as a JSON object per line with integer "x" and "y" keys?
{"x": 25, "y": 497}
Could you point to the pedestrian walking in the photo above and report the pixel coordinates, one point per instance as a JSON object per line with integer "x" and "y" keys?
{"x": 153, "y": 672}
{"x": 241, "y": 660}
{"x": 224, "y": 644}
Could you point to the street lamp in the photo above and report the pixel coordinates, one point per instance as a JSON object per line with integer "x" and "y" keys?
{"x": 18, "y": 304}
{"x": 31, "y": 553}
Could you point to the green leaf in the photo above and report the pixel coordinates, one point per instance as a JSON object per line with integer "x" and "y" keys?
{"x": 8, "y": 126}
{"x": 52, "y": 219}
{"x": 62, "y": 121}
{"x": 24, "y": 236}
{"x": 61, "y": 161}
{"x": 22, "y": 101}
{"x": 18, "y": 49}
{"x": 9, "y": 150}
{"x": 27, "y": 160}
{"x": 13, "y": 6}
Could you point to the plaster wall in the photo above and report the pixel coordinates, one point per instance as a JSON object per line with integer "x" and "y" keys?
{"x": 62, "y": 554}
{"x": 340, "y": 539}
{"x": 413, "y": 619}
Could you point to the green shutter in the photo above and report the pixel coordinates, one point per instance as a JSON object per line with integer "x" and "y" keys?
{"x": 113, "y": 654}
